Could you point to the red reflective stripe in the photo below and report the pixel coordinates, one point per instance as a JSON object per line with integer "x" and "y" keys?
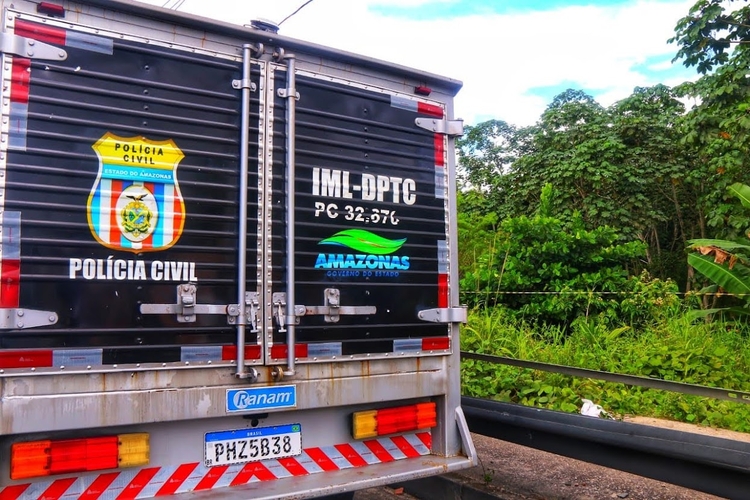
{"x": 350, "y": 454}
{"x": 229, "y": 352}
{"x": 57, "y": 489}
{"x": 10, "y": 283}
{"x": 442, "y": 290}
{"x": 20, "y": 78}
{"x": 25, "y": 359}
{"x": 252, "y": 469}
{"x": 208, "y": 481}
{"x": 320, "y": 458}
{"x": 406, "y": 448}
{"x": 175, "y": 480}
{"x": 262, "y": 472}
{"x": 13, "y": 492}
{"x": 139, "y": 482}
{"x": 436, "y": 343}
{"x": 429, "y": 109}
{"x": 39, "y": 32}
{"x": 279, "y": 351}
{"x": 99, "y": 486}
{"x": 293, "y": 466}
{"x": 426, "y": 438}
{"x": 439, "y": 150}
{"x": 377, "y": 449}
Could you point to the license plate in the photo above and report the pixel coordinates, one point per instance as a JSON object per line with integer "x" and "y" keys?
{"x": 251, "y": 445}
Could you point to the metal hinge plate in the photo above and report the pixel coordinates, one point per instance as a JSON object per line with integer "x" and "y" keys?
{"x": 26, "y": 47}
{"x": 20, "y": 319}
{"x": 284, "y": 93}
{"x": 187, "y": 309}
{"x": 444, "y": 315}
{"x": 452, "y": 128}
{"x": 244, "y": 84}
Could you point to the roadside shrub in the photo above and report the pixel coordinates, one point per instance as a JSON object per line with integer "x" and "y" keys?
{"x": 672, "y": 346}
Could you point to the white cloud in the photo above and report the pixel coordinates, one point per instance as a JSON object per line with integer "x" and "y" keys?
{"x": 500, "y": 58}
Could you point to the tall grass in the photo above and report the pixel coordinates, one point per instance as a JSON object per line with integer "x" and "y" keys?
{"x": 671, "y": 348}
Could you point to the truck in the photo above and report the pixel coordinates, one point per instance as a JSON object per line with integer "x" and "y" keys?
{"x": 228, "y": 261}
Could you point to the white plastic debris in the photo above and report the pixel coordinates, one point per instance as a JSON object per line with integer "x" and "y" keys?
{"x": 591, "y": 409}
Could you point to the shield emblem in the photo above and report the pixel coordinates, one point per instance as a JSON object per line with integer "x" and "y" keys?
{"x": 135, "y": 204}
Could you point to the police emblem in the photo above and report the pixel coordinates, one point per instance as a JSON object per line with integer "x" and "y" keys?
{"x": 135, "y": 203}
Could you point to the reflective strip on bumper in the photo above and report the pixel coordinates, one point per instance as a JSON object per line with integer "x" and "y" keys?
{"x": 161, "y": 481}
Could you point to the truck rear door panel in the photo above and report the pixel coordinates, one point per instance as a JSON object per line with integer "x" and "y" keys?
{"x": 77, "y": 260}
{"x": 369, "y": 220}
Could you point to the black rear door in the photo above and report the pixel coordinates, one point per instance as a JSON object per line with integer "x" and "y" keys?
{"x": 370, "y": 223}
{"x": 124, "y": 167}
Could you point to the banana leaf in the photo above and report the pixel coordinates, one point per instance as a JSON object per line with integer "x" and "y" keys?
{"x": 735, "y": 281}
{"x": 729, "y": 246}
{"x": 702, "y": 313}
{"x": 742, "y": 192}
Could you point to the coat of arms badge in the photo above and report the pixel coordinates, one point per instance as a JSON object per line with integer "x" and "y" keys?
{"x": 135, "y": 204}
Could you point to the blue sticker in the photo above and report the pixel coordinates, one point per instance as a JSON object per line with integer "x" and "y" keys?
{"x": 261, "y": 398}
{"x": 252, "y": 433}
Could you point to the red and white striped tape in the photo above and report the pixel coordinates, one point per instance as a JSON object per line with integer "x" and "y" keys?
{"x": 160, "y": 481}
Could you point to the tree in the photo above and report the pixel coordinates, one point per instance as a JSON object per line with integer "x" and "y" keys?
{"x": 486, "y": 152}
{"x": 550, "y": 269}
{"x": 714, "y": 38}
{"x": 573, "y": 148}
{"x": 621, "y": 167}
{"x": 650, "y": 123}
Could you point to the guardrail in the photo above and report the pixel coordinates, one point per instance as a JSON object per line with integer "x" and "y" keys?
{"x": 713, "y": 465}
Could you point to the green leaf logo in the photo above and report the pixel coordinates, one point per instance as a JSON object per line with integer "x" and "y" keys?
{"x": 364, "y": 241}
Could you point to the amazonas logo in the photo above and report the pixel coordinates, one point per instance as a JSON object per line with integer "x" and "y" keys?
{"x": 374, "y": 252}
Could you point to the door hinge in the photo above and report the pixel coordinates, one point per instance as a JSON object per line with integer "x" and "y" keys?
{"x": 331, "y": 310}
{"x": 32, "y": 49}
{"x": 444, "y": 315}
{"x": 187, "y": 308}
{"x": 451, "y": 128}
{"x": 16, "y": 318}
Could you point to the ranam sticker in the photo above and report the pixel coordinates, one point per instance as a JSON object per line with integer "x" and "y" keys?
{"x": 135, "y": 204}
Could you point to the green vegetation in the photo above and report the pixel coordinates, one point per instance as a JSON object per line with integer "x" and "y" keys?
{"x": 673, "y": 348}
{"x": 612, "y": 238}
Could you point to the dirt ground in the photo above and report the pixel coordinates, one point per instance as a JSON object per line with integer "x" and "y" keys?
{"x": 514, "y": 472}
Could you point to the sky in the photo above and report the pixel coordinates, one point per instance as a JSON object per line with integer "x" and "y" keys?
{"x": 513, "y": 56}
